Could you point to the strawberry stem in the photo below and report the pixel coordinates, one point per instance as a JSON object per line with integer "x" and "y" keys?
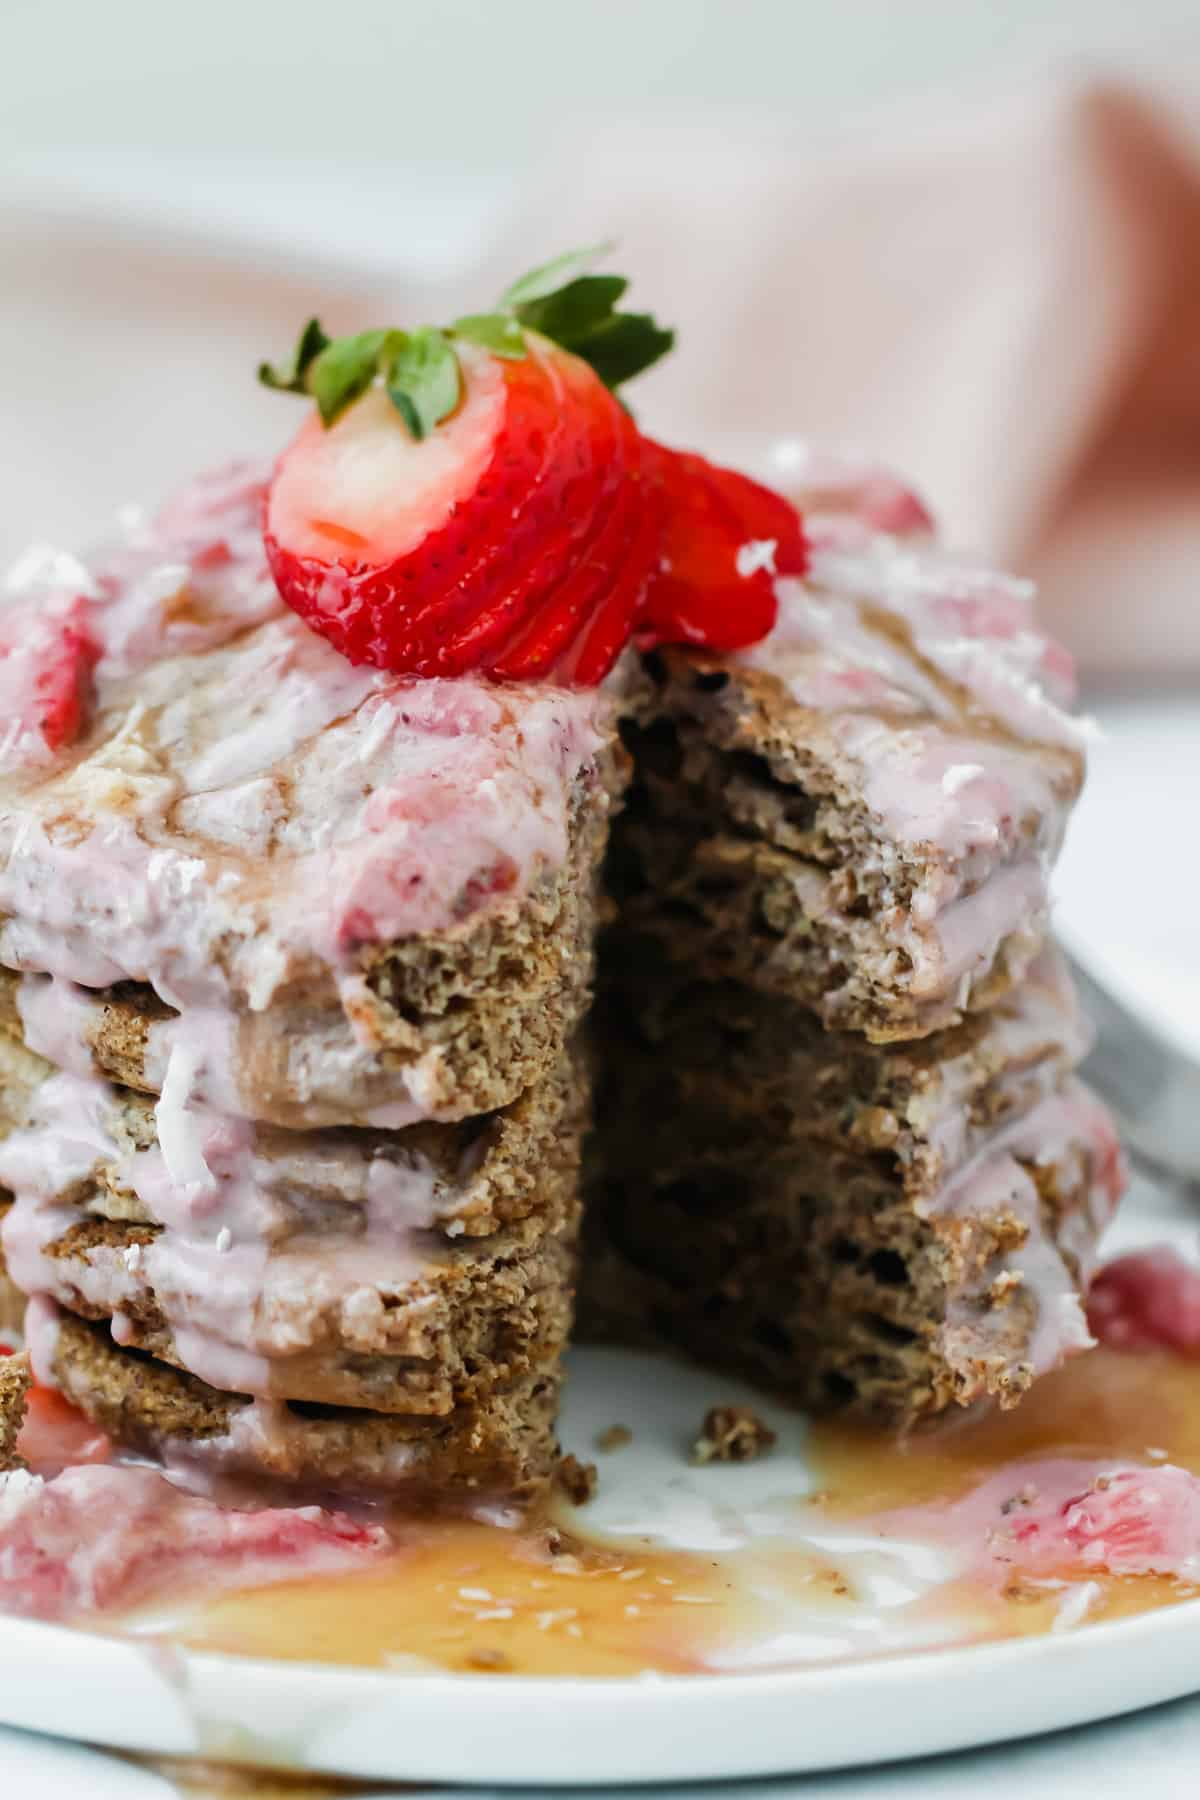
{"x": 420, "y": 369}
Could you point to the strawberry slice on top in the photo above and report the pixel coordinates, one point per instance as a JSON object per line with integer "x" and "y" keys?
{"x": 725, "y": 540}
{"x": 478, "y": 498}
{"x": 475, "y": 498}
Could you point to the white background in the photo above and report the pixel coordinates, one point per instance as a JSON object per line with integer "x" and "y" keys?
{"x": 477, "y": 83}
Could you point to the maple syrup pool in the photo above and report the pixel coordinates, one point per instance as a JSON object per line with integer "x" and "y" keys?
{"x": 852, "y": 1545}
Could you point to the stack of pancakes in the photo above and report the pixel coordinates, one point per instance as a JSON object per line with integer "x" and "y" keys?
{"x": 297, "y": 957}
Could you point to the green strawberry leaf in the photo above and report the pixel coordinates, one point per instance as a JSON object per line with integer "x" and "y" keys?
{"x": 623, "y": 346}
{"x": 498, "y": 332}
{"x": 424, "y": 381}
{"x": 581, "y": 314}
{"x": 344, "y": 370}
{"x": 569, "y": 313}
{"x": 552, "y": 275}
{"x": 288, "y": 377}
{"x": 561, "y": 301}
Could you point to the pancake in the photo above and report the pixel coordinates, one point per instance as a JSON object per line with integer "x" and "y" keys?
{"x": 407, "y": 1272}
{"x": 14, "y": 1386}
{"x": 887, "y": 1229}
{"x": 504, "y": 1445}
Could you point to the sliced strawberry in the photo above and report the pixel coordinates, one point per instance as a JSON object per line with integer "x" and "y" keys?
{"x": 725, "y": 539}
{"x": 475, "y": 497}
{"x": 428, "y": 557}
{"x": 498, "y": 546}
{"x": 613, "y": 622}
{"x": 351, "y": 506}
{"x": 579, "y": 499}
{"x": 617, "y": 557}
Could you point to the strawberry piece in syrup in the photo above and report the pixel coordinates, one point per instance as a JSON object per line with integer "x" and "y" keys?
{"x": 1147, "y": 1300}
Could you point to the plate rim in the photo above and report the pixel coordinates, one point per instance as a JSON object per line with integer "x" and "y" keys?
{"x": 581, "y": 1731}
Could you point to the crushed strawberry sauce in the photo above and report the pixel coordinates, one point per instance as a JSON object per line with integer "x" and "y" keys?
{"x": 1057, "y": 1517}
{"x": 101, "y": 1537}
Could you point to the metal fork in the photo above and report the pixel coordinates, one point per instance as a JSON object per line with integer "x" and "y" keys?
{"x": 1152, "y": 1089}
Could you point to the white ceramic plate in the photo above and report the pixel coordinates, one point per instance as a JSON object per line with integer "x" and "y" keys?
{"x": 514, "y": 1731}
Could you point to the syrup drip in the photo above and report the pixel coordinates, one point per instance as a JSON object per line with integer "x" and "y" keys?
{"x": 816, "y": 1581}
{"x": 213, "y": 1781}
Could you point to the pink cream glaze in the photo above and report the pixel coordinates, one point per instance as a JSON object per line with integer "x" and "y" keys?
{"x": 1071, "y": 1129}
{"x": 41, "y": 1336}
{"x": 1037, "y": 1028}
{"x": 246, "y": 808}
{"x": 327, "y": 1073}
{"x": 242, "y": 1283}
{"x": 98, "y": 1539}
{"x": 873, "y": 544}
{"x": 939, "y": 687}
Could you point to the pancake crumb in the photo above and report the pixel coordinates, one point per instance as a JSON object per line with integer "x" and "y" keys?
{"x": 732, "y": 1434}
{"x": 614, "y": 1438}
{"x": 15, "y": 1380}
{"x": 576, "y": 1479}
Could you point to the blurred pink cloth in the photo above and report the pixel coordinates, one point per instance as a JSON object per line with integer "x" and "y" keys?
{"x": 1006, "y": 307}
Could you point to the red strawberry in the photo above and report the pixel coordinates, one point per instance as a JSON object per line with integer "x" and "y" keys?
{"x": 724, "y": 540}
{"x": 477, "y": 499}
{"x": 1147, "y": 1300}
{"x": 46, "y": 664}
{"x": 462, "y": 550}
{"x": 607, "y": 578}
{"x": 56, "y": 1435}
{"x": 62, "y": 672}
